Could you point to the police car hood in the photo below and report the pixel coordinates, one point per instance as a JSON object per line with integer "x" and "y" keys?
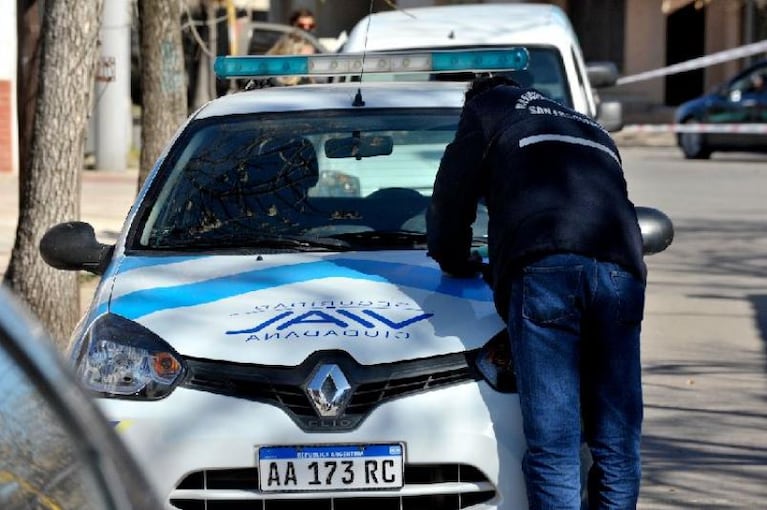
{"x": 277, "y": 309}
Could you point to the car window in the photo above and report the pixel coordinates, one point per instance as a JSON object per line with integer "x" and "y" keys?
{"x": 42, "y": 465}
{"x": 545, "y": 72}
{"x": 756, "y": 82}
{"x": 261, "y": 39}
{"x": 233, "y": 181}
{"x": 752, "y": 82}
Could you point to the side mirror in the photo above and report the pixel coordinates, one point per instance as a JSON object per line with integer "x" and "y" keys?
{"x": 602, "y": 74}
{"x": 657, "y": 230}
{"x": 72, "y": 246}
{"x": 610, "y": 115}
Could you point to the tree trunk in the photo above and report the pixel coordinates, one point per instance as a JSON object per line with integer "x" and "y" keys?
{"x": 163, "y": 83}
{"x": 49, "y": 180}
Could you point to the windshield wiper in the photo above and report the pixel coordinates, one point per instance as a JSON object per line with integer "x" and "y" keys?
{"x": 369, "y": 238}
{"x": 228, "y": 242}
{"x": 397, "y": 238}
{"x": 299, "y": 241}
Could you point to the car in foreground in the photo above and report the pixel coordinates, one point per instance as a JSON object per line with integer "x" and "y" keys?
{"x": 57, "y": 451}
{"x": 733, "y": 116}
{"x": 269, "y": 331}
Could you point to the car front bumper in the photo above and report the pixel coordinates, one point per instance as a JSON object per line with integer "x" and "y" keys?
{"x": 201, "y": 448}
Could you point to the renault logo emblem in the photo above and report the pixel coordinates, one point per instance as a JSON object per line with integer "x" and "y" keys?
{"x": 328, "y": 390}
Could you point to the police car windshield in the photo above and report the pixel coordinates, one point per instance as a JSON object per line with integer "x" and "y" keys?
{"x": 230, "y": 182}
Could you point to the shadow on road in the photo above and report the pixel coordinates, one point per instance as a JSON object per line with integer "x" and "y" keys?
{"x": 728, "y": 259}
{"x": 719, "y": 247}
{"x": 703, "y": 449}
{"x": 759, "y": 302}
{"x": 712, "y": 475}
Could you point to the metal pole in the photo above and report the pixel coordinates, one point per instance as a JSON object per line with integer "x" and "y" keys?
{"x": 748, "y": 31}
{"x": 113, "y": 107}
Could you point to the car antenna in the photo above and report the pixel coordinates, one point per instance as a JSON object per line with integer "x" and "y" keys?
{"x": 358, "y": 101}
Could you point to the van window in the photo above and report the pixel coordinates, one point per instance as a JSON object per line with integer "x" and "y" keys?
{"x": 545, "y": 72}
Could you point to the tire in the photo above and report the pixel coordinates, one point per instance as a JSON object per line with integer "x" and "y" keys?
{"x": 693, "y": 145}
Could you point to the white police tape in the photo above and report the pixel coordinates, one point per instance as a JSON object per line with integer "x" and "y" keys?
{"x": 696, "y": 128}
{"x": 697, "y": 63}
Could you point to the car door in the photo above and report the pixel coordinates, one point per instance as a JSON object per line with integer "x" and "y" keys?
{"x": 755, "y": 103}
{"x": 739, "y": 103}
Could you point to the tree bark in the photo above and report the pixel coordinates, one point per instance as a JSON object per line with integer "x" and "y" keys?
{"x": 49, "y": 179}
{"x": 163, "y": 82}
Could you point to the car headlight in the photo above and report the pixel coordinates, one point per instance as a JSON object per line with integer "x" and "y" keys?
{"x": 495, "y": 363}
{"x": 122, "y": 359}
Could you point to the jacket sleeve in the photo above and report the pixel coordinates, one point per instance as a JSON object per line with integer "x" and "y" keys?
{"x": 453, "y": 207}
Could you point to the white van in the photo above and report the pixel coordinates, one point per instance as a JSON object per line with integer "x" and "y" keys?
{"x": 556, "y": 65}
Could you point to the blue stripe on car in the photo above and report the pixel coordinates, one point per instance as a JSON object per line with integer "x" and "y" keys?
{"x": 130, "y": 263}
{"x": 146, "y": 301}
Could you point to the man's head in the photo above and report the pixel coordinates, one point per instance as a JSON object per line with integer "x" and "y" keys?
{"x": 484, "y": 83}
{"x": 304, "y": 19}
{"x": 758, "y": 82}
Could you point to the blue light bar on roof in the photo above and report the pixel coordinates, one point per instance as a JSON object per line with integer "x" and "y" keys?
{"x": 341, "y": 64}
{"x": 486, "y": 60}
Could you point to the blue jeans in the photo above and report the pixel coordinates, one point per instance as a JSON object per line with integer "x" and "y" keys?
{"x": 574, "y": 325}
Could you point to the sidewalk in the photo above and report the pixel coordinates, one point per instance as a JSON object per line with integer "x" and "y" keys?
{"x": 106, "y": 198}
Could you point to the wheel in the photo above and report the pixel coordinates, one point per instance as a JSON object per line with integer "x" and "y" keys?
{"x": 693, "y": 145}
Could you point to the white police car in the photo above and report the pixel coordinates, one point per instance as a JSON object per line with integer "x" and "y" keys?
{"x": 269, "y": 331}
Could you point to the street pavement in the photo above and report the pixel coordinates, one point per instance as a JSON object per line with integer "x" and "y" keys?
{"x": 704, "y": 350}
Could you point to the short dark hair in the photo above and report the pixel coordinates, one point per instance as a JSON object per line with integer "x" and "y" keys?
{"x": 300, "y": 13}
{"x": 484, "y": 83}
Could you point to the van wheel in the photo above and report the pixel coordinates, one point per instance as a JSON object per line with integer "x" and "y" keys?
{"x": 693, "y": 145}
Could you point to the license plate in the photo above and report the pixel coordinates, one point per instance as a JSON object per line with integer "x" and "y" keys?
{"x": 330, "y": 467}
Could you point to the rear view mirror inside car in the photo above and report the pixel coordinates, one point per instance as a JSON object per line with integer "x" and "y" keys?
{"x": 359, "y": 146}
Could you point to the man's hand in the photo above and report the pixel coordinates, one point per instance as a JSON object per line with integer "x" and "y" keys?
{"x": 468, "y": 268}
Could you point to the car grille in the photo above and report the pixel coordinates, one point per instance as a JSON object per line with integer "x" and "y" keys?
{"x": 372, "y": 385}
{"x": 427, "y": 487}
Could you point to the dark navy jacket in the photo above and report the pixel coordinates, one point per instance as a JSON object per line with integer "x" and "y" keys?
{"x": 552, "y": 181}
